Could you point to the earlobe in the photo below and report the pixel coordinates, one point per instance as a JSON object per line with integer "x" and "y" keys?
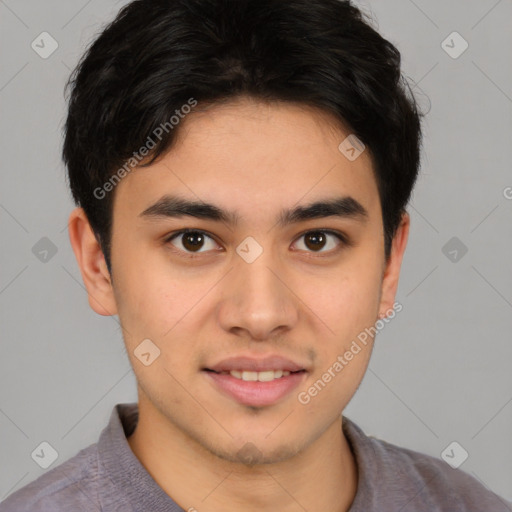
{"x": 392, "y": 270}
{"x": 91, "y": 262}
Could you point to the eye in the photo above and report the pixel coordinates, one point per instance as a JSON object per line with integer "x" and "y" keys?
{"x": 316, "y": 241}
{"x": 191, "y": 241}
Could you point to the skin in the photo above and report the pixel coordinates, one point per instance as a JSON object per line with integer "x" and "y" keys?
{"x": 304, "y": 303}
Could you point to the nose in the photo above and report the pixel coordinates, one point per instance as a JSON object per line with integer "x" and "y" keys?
{"x": 258, "y": 302}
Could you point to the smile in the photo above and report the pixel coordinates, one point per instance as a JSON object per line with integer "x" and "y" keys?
{"x": 265, "y": 376}
{"x": 256, "y": 389}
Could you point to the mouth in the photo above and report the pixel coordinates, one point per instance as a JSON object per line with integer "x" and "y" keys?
{"x": 255, "y": 388}
{"x": 253, "y": 376}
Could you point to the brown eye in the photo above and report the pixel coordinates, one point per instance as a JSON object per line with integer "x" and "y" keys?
{"x": 316, "y": 241}
{"x": 192, "y": 241}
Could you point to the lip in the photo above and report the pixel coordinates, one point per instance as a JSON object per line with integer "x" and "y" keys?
{"x": 255, "y": 393}
{"x": 254, "y": 364}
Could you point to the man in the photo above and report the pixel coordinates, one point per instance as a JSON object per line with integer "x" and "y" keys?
{"x": 242, "y": 169}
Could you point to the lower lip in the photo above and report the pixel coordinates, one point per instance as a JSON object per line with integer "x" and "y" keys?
{"x": 256, "y": 393}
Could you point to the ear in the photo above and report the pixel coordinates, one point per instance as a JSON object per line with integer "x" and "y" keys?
{"x": 92, "y": 264}
{"x": 392, "y": 269}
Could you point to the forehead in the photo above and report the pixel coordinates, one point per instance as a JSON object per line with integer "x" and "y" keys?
{"x": 254, "y": 158}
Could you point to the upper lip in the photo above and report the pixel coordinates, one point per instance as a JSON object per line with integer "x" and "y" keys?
{"x": 254, "y": 364}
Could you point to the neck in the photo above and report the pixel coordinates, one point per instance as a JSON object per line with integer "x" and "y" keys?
{"x": 321, "y": 477}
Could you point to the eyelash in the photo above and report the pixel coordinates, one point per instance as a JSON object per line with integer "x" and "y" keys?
{"x": 345, "y": 241}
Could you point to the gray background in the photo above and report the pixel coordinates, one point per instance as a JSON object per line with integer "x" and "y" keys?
{"x": 441, "y": 369}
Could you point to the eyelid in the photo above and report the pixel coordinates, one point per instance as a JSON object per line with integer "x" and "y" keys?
{"x": 342, "y": 237}
{"x": 339, "y": 234}
{"x": 169, "y": 238}
{"x": 345, "y": 242}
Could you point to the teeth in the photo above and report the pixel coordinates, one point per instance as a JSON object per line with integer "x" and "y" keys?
{"x": 266, "y": 376}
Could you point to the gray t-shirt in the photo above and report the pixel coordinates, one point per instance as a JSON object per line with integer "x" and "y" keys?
{"x": 107, "y": 477}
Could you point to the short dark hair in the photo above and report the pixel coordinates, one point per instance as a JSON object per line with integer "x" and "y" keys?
{"x": 158, "y": 54}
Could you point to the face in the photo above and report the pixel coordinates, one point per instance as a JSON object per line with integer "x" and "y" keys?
{"x": 271, "y": 282}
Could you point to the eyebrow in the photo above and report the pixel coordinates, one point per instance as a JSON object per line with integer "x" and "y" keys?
{"x": 174, "y": 207}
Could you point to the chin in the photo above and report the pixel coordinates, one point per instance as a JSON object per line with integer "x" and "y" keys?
{"x": 250, "y": 454}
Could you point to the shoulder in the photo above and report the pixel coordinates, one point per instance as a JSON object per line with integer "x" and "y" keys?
{"x": 447, "y": 488}
{"x": 435, "y": 484}
{"x": 400, "y": 477}
{"x": 70, "y": 486}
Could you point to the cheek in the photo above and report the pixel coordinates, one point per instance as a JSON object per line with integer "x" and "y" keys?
{"x": 348, "y": 299}
{"x": 150, "y": 300}
{"x": 167, "y": 307}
